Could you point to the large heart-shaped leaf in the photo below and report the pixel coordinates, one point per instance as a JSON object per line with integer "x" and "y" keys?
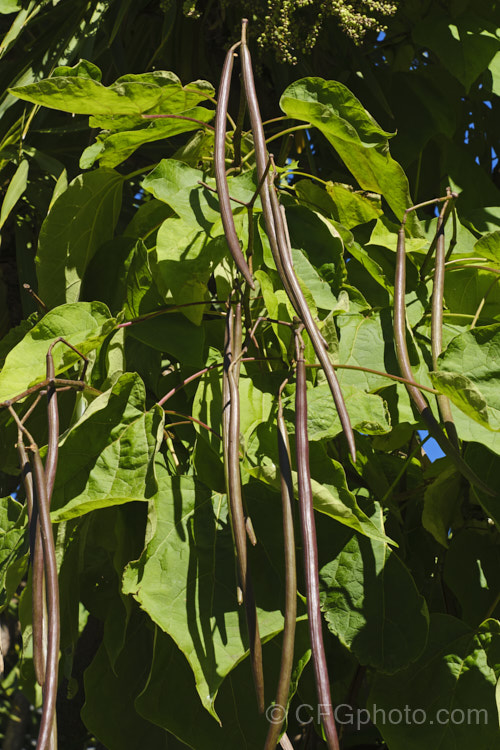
{"x": 81, "y": 220}
{"x": 83, "y": 324}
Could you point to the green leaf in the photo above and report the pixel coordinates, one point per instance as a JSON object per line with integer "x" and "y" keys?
{"x": 316, "y": 197}
{"x": 112, "y": 149}
{"x": 9, "y": 6}
{"x": 353, "y": 208}
{"x": 465, "y": 47}
{"x": 107, "y": 457}
{"x": 142, "y": 296}
{"x": 176, "y": 184}
{"x": 469, "y": 374}
{"x": 486, "y": 465}
{"x": 385, "y": 233}
{"x": 370, "y": 601}
{"x": 83, "y": 324}
{"x": 174, "y": 705}
{"x": 13, "y": 549}
{"x": 308, "y": 276}
{"x": 81, "y": 220}
{"x": 333, "y": 499}
{"x": 278, "y": 307}
{"x": 129, "y": 94}
{"x": 363, "y": 344}
{"x": 16, "y": 188}
{"x": 83, "y": 69}
{"x": 109, "y": 712}
{"x": 106, "y": 281}
{"x": 468, "y": 289}
{"x": 185, "y": 579}
{"x": 322, "y": 245}
{"x": 449, "y": 691}
{"x": 255, "y": 404}
{"x": 489, "y": 246}
{"x": 472, "y": 572}
{"x": 147, "y": 219}
{"x": 360, "y": 142}
{"x": 185, "y": 259}
{"x": 367, "y": 412}
{"x": 442, "y": 501}
{"x": 174, "y": 334}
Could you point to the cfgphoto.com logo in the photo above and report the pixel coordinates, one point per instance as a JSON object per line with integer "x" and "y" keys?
{"x": 344, "y": 714}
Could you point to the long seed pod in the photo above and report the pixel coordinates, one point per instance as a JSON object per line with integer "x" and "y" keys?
{"x": 437, "y": 326}
{"x": 261, "y": 155}
{"x": 53, "y": 425}
{"x": 226, "y": 401}
{"x": 231, "y": 442}
{"x": 406, "y": 371}
{"x": 39, "y": 612}
{"x": 52, "y": 593}
{"x": 286, "y": 666}
{"x": 307, "y": 319}
{"x": 220, "y": 168}
{"x": 449, "y": 205}
{"x": 278, "y": 242}
{"x": 311, "y": 553}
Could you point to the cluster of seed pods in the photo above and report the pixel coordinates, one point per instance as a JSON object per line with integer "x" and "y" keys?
{"x": 277, "y": 232}
{"x": 278, "y": 236}
{"x": 38, "y": 481}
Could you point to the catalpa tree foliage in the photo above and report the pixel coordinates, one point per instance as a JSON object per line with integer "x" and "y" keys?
{"x": 220, "y": 525}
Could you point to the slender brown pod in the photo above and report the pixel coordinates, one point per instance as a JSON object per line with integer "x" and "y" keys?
{"x": 52, "y": 593}
{"x": 53, "y": 413}
{"x": 238, "y": 131}
{"x": 261, "y": 155}
{"x": 307, "y": 319}
{"x": 405, "y": 366}
{"x": 444, "y": 219}
{"x": 278, "y": 242}
{"x": 437, "y": 326}
{"x": 53, "y": 425}
{"x": 38, "y": 607}
{"x": 309, "y": 544}
{"x": 231, "y": 442}
{"x": 220, "y": 168}
{"x": 287, "y": 649}
{"x": 40, "y": 501}
{"x": 226, "y": 401}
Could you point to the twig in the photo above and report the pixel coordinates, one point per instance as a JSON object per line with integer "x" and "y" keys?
{"x": 43, "y": 307}
{"x": 178, "y": 117}
{"x": 193, "y": 419}
{"x": 482, "y": 302}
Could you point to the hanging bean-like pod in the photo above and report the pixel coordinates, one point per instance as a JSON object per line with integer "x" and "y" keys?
{"x": 277, "y": 235}
{"x": 406, "y": 371}
{"x": 231, "y": 442}
{"x": 309, "y": 544}
{"x": 52, "y": 594}
{"x": 437, "y": 325}
{"x": 287, "y": 649}
{"x": 220, "y": 169}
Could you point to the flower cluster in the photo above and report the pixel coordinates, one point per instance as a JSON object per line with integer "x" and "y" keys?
{"x": 291, "y": 27}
